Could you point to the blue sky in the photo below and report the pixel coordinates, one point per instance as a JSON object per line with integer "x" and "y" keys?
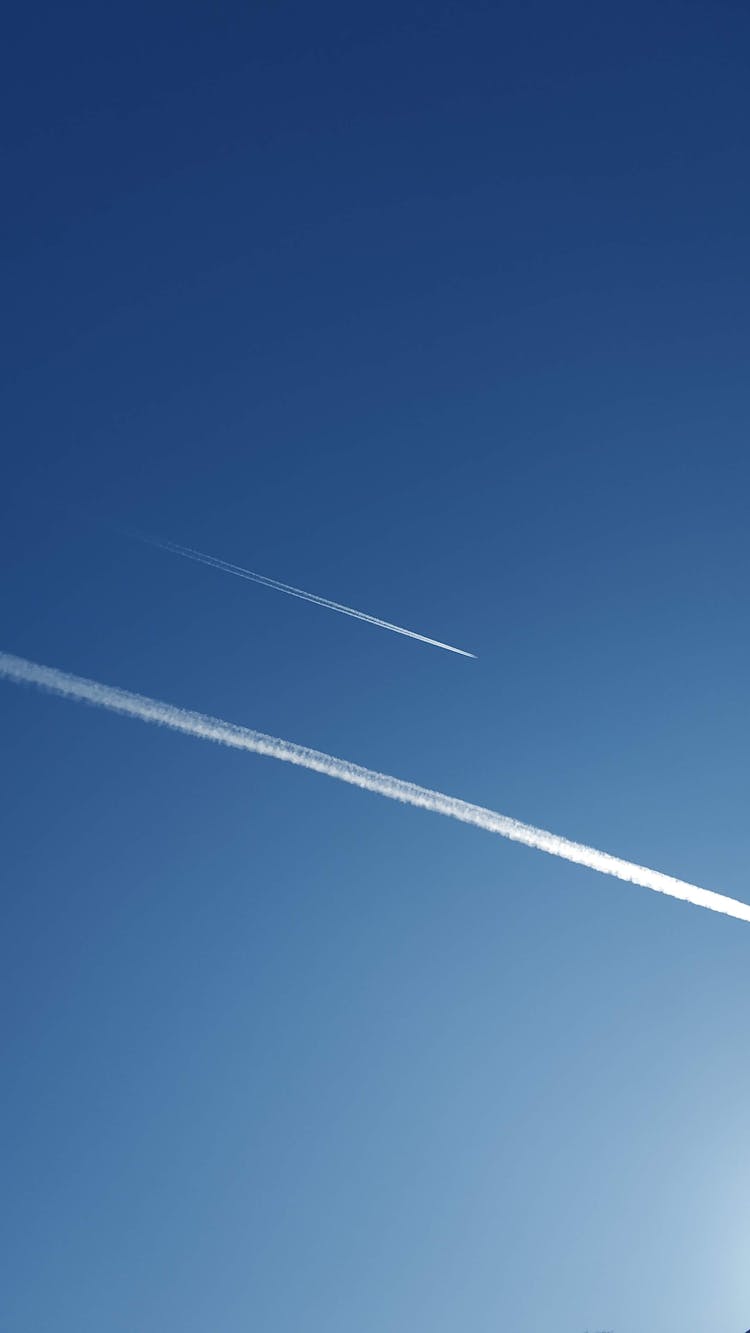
{"x": 440, "y": 312}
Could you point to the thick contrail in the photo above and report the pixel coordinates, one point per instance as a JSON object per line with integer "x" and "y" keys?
{"x": 227, "y": 568}
{"x": 242, "y": 738}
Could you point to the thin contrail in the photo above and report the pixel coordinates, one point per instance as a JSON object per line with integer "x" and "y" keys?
{"x": 242, "y": 738}
{"x": 227, "y": 568}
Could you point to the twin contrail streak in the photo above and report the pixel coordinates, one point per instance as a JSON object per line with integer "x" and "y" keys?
{"x": 239, "y": 572}
{"x": 242, "y": 738}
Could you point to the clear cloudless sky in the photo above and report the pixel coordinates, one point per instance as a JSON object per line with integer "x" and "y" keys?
{"x": 439, "y": 310}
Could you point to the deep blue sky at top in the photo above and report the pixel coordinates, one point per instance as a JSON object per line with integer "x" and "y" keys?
{"x": 440, "y": 311}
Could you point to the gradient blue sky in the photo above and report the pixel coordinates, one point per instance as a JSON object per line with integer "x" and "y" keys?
{"x": 441, "y": 311}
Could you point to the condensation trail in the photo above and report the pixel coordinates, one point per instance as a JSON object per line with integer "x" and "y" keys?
{"x": 242, "y": 738}
{"x": 215, "y": 563}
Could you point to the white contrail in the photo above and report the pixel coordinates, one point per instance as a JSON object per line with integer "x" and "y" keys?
{"x": 227, "y": 568}
{"x": 242, "y": 738}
